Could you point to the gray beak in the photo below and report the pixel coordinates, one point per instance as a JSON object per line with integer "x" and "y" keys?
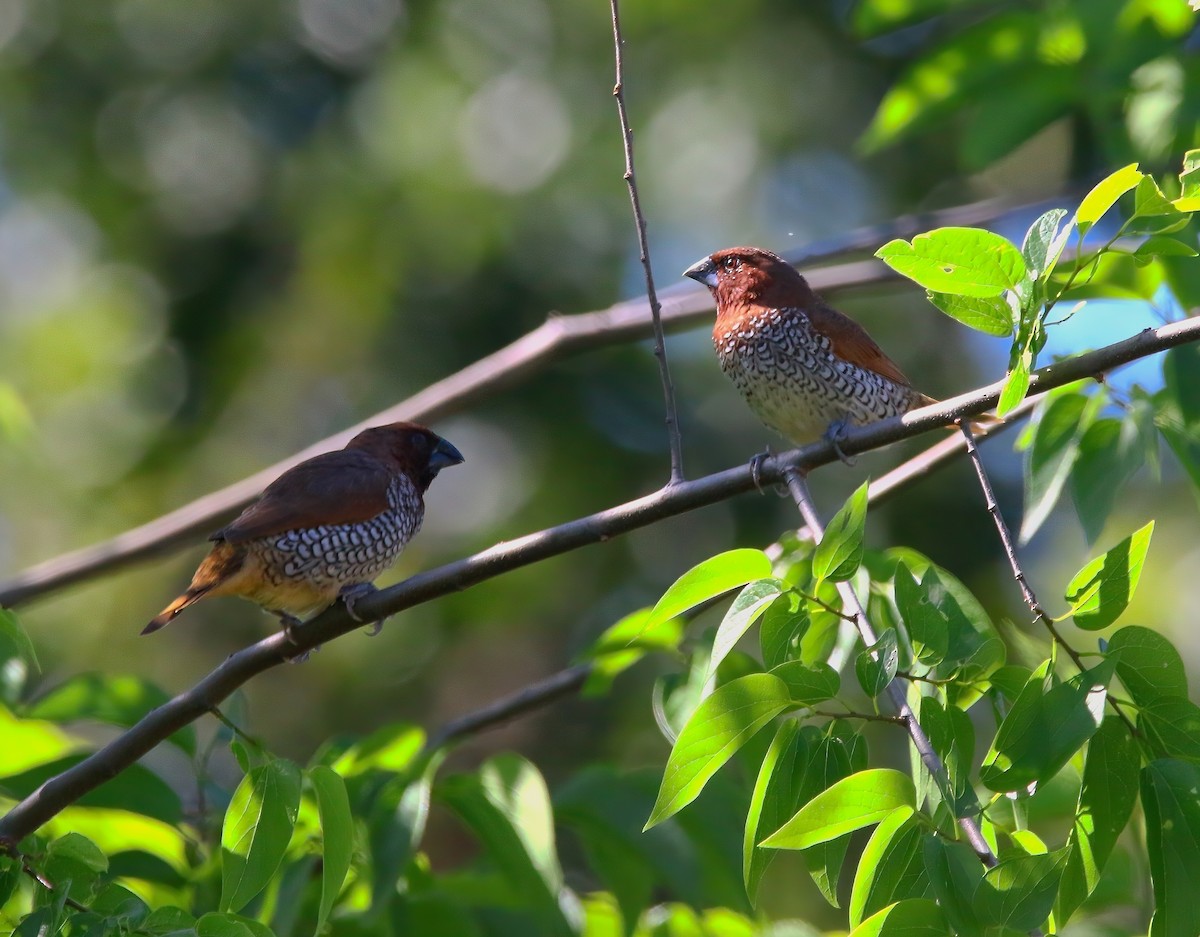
{"x": 443, "y": 456}
{"x": 703, "y": 271}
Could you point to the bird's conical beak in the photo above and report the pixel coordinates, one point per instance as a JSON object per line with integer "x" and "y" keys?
{"x": 443, "y": 456}
{"x": 703, "y": 271}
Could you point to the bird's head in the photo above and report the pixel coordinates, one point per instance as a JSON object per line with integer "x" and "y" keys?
{"x": 739, "y": 275}
{"x": 410, "y": 448}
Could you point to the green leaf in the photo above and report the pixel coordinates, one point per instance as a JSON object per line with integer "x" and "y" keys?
{"x": 782, "y": 628}
{"x": 839, "y": 554}
{"x": 1019, "y": 893}
{"x": 891, "y": 867}
{"x": 1171, "y": 727}
{"x": 1106, "y": 801}
{"x": 395, "y": 826}
{"x": 217, "y": 924}
{"x": 1149, "y": 201}
{"x": 808, "y": 685}
{"x": 136, "y": 789}
{"x": 392, "y": 748}
{"x": 10, "y": 628}
{"x": 955, "y": 874}
{"x": 1016, "y": 385}
{"x": 1189, "y": 175}
{"x": 258, "y": 825}
{"x": 774, "y": 798}
{"x": 1044, "y": 729}
{"x": 876, "y": 665}
{"x": 852, "y": 803}
{"x": 625, "y": 643}
{"x": 337, "y": 833}
{"x": 720, "y": 725}
{"x": 958, "y": 261}
{"x": 912, "y": 917}
{"x": 1103, "y": 589}
{"x": 1057, "y": 429}
{"x": 1161, "y": 246}
{"x": 991, "y": 315}
{"x": 1148, "y": 664}
{"x": 507, "y": 805}
{"x": 119, "y": 700}
{"x": 1042, "y": 245}
{"x": 1104, "y": 195}
{"x": 952, "y": 735}
{"x": 715, "y": 576}
{"x": 1110, "y": 452}
{"x": 752, "y": 601}
{"x": 927, "y": 625}
{"x": 1173, "y": 843}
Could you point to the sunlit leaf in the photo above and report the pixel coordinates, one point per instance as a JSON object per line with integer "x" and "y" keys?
{"x": 927, "y": 625}
{"x": 258, "y": 825}
{"x": 852, "y": 803}
{"x": 773, "y": 799}
{"x": 1104, "y": 195}
{"x": 891, "y": 868}
{"x": 10, "y": 628}
{"x": 337, "y": 835}
{"x": 749, "y": 604}
{"x": 991, "y": 315}
{"x": 839, "y": 553}
{"x": 715, "y": 576}
{"x": 1042, "y": 245}
{"x": 1103, "y": 589}
{"x": 958, "y": 261}
{"x": 912, "y": 917}
{"x": 720, "y": 725}
{"x": 781, "y": 630}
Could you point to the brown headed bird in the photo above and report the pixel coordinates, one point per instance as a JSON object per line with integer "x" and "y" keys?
{"x": 325, "y": 528}
{"x": 806, "y": 370}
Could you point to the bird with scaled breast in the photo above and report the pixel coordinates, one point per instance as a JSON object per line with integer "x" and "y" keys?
{"x": 325, "y": 528}
{"x": 806, "y": 370}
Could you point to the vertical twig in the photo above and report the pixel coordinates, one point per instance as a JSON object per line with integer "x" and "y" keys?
{"x": 1010, "y": 551}
{"x": 660, "y": 348}
{"x": 798, "y": 489}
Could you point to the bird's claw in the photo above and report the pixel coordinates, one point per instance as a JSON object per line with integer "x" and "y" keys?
{"x": 289, "y": 623}
{"x": 835, "y": 434}
{"x": 350, "y": 594}
{"x": 756, "y": 464}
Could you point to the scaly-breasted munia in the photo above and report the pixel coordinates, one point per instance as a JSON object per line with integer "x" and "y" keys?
{"x": 806, "y": 370}
{"x": 325, "y": 528}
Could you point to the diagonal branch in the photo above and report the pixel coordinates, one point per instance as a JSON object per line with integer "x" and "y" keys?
{"x": 674, "y": 437}
{"x": 684, "y": 306}
{"x": 64, "y": 789}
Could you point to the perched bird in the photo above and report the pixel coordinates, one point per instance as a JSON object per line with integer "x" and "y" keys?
{"x": 806, "y": 370}
{"x": 325, "y": 528}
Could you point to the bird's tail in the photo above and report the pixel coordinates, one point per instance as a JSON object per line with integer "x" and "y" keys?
{"x": 213, "y": 577}
{"x": 167, "y": 615}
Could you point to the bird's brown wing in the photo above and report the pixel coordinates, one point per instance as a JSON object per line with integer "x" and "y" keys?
{"x": 851, "y": 342}
{"x": 343, "y": 487}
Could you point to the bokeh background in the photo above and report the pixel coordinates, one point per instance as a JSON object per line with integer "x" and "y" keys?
{"x": 229, "y": 229}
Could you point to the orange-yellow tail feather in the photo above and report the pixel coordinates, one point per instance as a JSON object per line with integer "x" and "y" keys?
{"x": 215, "y": 572}
{"x": 167, "y": 615}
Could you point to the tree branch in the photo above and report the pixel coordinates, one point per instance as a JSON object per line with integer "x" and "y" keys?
{"x": 64, "y": 789}
{"x": 674, "y": 438}
{"x": 684, "y": 306}
{"x": 1010, "y": 552}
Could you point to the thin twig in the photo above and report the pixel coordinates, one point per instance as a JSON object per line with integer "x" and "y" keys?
{"x": 64, "y": 789}
{"x": 674, "y": 438}
{"x": 895, "y": 691}
{"x": 8, "y": 847}
{"x": 866, "y": 717}
{"x": 1010, "y": 551}
{"x": 684, "y": 305}
{"x": 525, "y": 700}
